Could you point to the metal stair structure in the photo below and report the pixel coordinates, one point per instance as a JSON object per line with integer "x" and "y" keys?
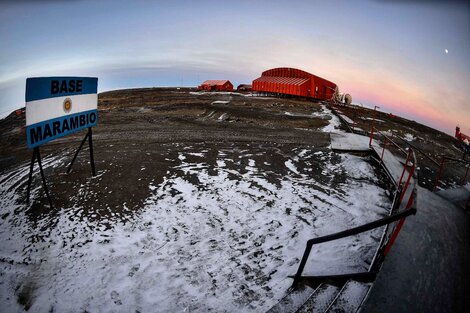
{"x": 326, "y": 297}
{"x": 347, "y": 292}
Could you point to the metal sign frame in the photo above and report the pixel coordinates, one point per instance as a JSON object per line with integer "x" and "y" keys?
{"x": 56, "y": 107}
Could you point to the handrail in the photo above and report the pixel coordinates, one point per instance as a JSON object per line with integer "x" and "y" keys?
{"x": 456, "y": 160}
{"x": 345, "y": 233}
{"x": 410, "y": 209}
{"x": 351, "y": 129}
{"x": 441, "y": 170}
{"x": 390, "y": 140}
{"x": 439, "y": 164}
{"x": 419, "y": 150}
{"x": 411, "y": 174}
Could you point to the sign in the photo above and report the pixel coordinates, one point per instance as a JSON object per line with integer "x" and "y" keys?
{"x": 58, "y": 106}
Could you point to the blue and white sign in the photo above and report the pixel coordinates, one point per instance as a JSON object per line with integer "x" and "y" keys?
{"x": 58, "y": 106}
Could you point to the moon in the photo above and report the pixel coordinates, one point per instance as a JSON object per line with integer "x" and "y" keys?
{"x": 447, "y": 51}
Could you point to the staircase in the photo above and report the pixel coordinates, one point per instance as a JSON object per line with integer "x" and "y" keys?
{"x": 326, "y": 297}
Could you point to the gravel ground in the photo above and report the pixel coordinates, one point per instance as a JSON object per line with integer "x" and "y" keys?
{"x": 186, "y": 183}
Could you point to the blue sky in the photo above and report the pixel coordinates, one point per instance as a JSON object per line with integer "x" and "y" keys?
{"x": 389, "y": 53}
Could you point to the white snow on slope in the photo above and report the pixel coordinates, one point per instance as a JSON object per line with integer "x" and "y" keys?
{"x": 220, "y": 237}
{"x": 334, "y": 121}
{"x": 325, "y": 113}
{"x": 218, "y": 93}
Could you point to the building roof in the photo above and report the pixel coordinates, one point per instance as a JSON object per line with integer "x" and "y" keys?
{"x": 293, "y": 72}
{"x": 282, "y": 80}
{"x": 215, "y": 82}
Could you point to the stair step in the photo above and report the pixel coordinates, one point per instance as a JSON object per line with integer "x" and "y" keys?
{"x": 350, "y": 297}
{"x": 292, "y": 301}
{"x": 321, "y": 299}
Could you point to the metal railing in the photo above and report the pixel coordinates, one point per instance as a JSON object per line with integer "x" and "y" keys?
{"x": 346, "y": 233}
{"x": 441, "y": 165}
{"x": 389, "y": 140}
{"x": 390, "y": 234}
{"x": 441, "y": 170}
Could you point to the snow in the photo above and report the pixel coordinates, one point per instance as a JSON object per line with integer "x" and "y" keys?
{"x": 313, "y": 115}
{"x": 351, "y": 296}
{"x": 349, "y": 142}
{"x": 347, "y": 119}
{"x": 335, "y": 122}
{"x": 211, "y": 236}
{"x": 393, "y": 163}
{"x": 225, "y": 93}
{"x": 220, "y": 102}
{"x": 291, "y": 166}
{"x": 409, "y": 137}
{"x": 223, "y": 117}
{"x": 198, "y": 154}
{"x": 370, "y": 118}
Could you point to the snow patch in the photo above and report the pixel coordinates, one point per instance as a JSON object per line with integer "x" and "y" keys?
{"x": 210, "y": 237}
{"x": 220, "y": 102}
{"x": 334, "y": 124}
{"x": 409, "y": 137}
{"x": 291, "y": 166}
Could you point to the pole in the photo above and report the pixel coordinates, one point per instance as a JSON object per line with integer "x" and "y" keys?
{"x": 37, "y": 155}
{"x": 33, "y": 158}
{"x": 78, "y": 150}
{"x": 383, "y": 150}
{"x": 43, "y": 177}
{"x": 372, "y": 125}
{"x": 407, "y": 182}
{"x": 408, "y": 157}
{"x": 298, "y": 275}
{"x": 398, "y": 228}
{"x": 92, "y": 159}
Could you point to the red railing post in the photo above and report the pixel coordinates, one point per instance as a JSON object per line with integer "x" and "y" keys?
{"x": 383, "y": 150}
{"x": 412, "y": 170}
{"x": 372, "y": 126}
{"x": 399, "y": 226}
{"x": 408, "y": 156}
{"x": 438, "y": 177}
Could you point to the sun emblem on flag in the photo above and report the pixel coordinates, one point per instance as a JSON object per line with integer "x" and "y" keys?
{"x": 67, "y": 105}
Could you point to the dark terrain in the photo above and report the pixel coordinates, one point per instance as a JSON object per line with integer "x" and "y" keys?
{"x": 134, "y": 123}
{"x": 146, "y": 136}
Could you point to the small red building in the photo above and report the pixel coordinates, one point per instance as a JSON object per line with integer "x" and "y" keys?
{"x": 216, "y": 85}
{"x": 461, "y": 136}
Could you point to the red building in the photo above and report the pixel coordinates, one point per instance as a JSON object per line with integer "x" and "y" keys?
{"x": 291, "y": 81}
{"x": 461, "y": 136}
{"x": 216, "y": 85}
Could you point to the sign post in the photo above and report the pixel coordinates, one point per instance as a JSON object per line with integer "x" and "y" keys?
{"x": 56, "y": 107}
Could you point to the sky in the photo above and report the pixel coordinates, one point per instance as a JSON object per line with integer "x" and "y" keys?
{"x": 390, "y": 53}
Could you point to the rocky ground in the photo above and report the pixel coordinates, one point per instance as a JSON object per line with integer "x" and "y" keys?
{"x": 139, "y": 117}
{"x": 201, "y": 201}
